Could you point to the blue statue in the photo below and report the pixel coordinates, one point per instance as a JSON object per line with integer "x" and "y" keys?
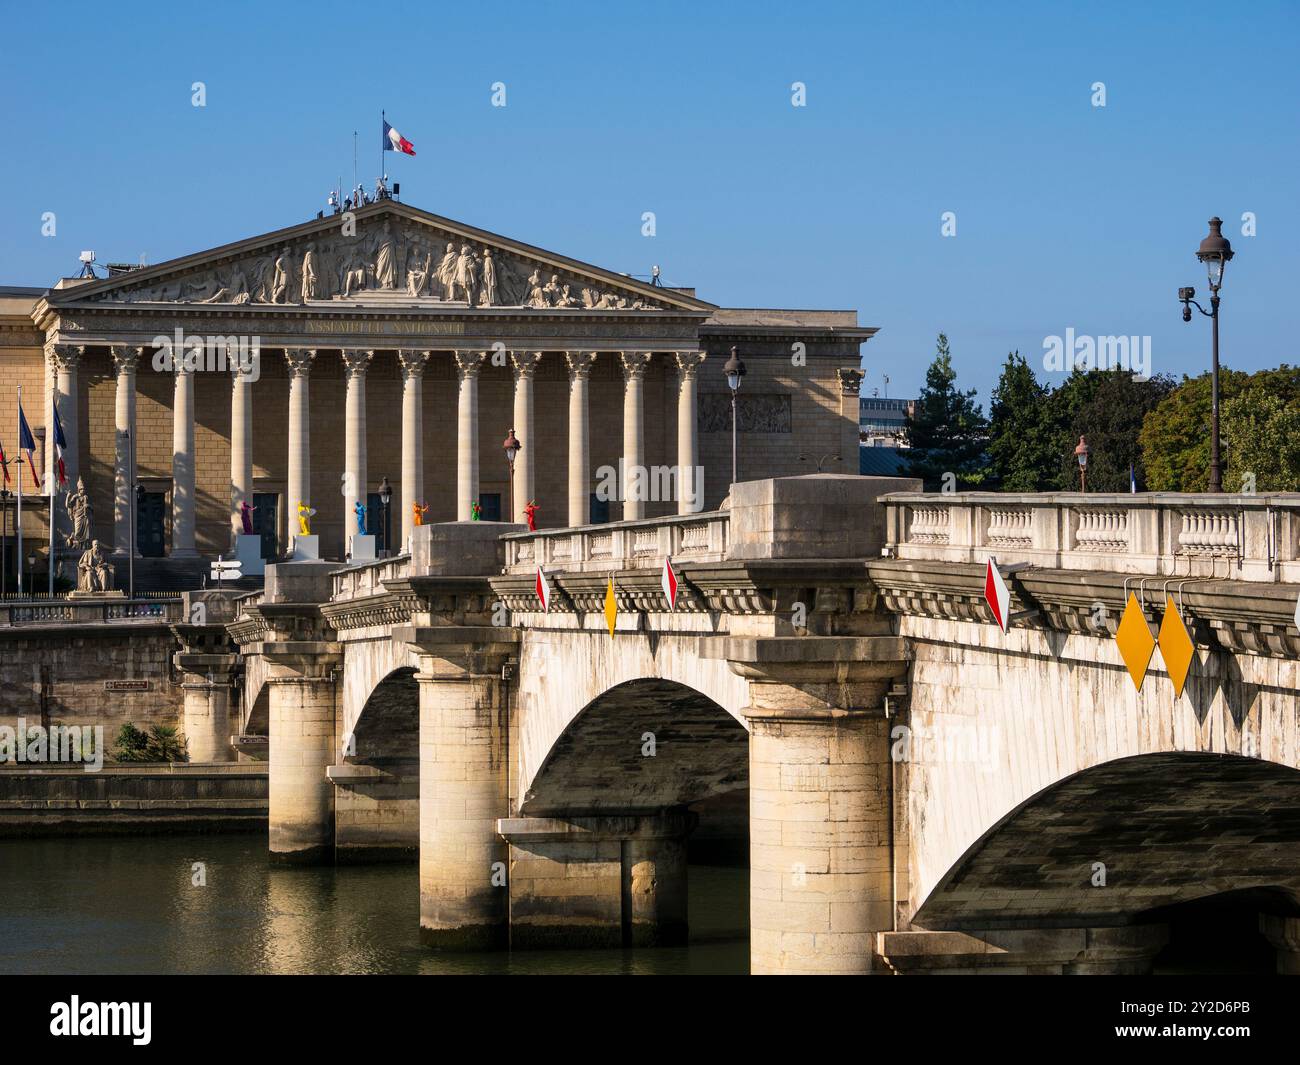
{"x": 361, "y": 518}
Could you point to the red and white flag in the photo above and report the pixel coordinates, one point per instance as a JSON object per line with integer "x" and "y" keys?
{"x": 395, "y": 142}
{"x": 669, "y": 584}
{"x": 997, "y": 595}
{"x": 543, "y": 590}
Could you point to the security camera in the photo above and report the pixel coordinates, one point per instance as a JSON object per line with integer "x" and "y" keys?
{"x": 1186, "y": 294}
{"x": 87, "y": 256}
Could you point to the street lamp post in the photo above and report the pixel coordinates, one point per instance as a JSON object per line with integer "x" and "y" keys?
{"x": 4, "y": 539}
{"x": 735, "y": 370}
{"x": 1215, "y": 252}
{"x": 385, "y": 498}
{"x": 511, "y": 446}
{"x": 1081, "y": 452}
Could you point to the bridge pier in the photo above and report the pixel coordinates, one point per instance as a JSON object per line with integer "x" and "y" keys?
{"x": 610, "y": 881}
{"x": 1123, "y": 950}
{"x": 464, "y": 740}
{"x": 821, "y": 849}
{"x": 302, "y": 744}
{"x": 207, "y": 720}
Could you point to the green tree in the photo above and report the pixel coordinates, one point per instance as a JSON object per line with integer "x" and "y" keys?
{"x": 1175, "y": 435}
{"x": 1260, "y": 425}
{"x": 131, "y": 745}
{"x": 1109, "y": 408}
{"x": 1019, "y": 450}
{"x": 948, "y": 433}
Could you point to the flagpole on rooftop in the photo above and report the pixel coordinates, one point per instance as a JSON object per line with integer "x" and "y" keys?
{"x": 19, "y": 530}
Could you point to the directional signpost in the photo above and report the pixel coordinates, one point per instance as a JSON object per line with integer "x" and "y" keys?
{"x": 226, "y": 570}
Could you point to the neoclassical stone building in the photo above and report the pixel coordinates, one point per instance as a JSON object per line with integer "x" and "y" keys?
{"x": 317, "y": 360}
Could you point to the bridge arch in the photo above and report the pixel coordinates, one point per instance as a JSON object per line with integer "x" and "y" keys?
{"x": 639, "y": 747}
{"x": 563, "y": 676}
{"x": 1122, "y": 841}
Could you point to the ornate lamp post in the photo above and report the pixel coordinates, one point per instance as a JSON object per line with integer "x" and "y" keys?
{"x": 1215, "y": 252}
{"x": 735, "y": 370}
{"x": 511, "y": 446}
{"x": 385, "y": 498}
{"x": 1081, "y": 452}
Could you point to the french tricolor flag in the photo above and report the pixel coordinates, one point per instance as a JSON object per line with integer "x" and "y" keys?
{"x": 395, "y": 142}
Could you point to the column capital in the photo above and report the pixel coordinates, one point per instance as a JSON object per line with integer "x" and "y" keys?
{"x": 65, "y": 357}
{"x": 580, "y": 363}
{"x": 356, "y": 361}
{"x": 635, "y": 363}
{"x": 299, "y": 360}
{"x": 413, "y": 362}
{"x": 469, "y": 363}
{"x": 125, "y": 357}
{"x": 689, "y": 361}
{"x": 525, "y": 362}
{"x": 850, "y": 380}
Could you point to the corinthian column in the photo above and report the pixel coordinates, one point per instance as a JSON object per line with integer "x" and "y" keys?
{"x": 241, "y": 442}
{"x": 124, "y": 361}
{"x": 525, "y": 363}
{"x": 468, "y": 365}
{"x": 66, "y": 358}
{"x": 413, "y": 363}
{"x": 580, "y": 364}
{"x": 690, "y": 492}
{"x": 299, "y": 480}
{"x": 183, "y": 459}
{"x": 355, "y": 363}
{"x": 634, "y": 480}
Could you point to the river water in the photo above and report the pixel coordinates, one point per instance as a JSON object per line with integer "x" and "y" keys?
{"x": 129, "y": 905}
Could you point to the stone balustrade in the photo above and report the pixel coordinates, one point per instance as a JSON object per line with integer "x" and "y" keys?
{"x": 365, "y": 579}
{"x": 621, "y": 545}
{"x": 58, "y": 611}
{"x": 1243, "y": 537}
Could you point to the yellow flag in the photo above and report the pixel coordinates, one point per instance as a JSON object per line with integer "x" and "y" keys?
{"x": 611, "y": 606}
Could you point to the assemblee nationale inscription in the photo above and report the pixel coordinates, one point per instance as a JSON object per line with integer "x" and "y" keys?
{"x": 406, "y": 328}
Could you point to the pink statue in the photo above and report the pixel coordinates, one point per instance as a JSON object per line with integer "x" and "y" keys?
{"x": 246, "y": 516}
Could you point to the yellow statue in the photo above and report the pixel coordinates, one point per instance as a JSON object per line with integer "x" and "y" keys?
{"x": 419, "y": 513}
{"x": 304, "y": 519}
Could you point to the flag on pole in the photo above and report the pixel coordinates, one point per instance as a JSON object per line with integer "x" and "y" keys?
{"x": 4, "y": 461}
{"x": 1132, "y": 480}
{"x": 26, "y": 442}
{"x": 669, "y": 584}
{"x": 395, "y": 142}
{"x": 60, "y": 442}
{"x": 543, "y": 590}
{"x": 997, "y": 595}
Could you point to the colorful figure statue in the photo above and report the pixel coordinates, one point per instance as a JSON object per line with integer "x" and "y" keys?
{"x": 530, "y": 513}
{"x": 360, "y": 511}
{"x": 246, "y": 517}
{"x": 304, "y": 518}
{"x": 419, "y": 513}
{"x": 475, "y": 511}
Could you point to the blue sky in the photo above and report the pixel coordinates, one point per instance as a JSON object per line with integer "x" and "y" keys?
{"x": 1068, "y": 215}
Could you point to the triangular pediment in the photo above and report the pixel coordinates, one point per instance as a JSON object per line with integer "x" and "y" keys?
{"x": 386, "y": 254}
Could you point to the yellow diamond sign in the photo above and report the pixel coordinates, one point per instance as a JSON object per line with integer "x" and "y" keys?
{"x": 1176, "y": 646}
{"x": 611, "y": 606}
{"x": 1136, "y": 644}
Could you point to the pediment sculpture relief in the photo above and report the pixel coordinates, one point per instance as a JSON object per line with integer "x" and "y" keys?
{"x": 425, "y": 263}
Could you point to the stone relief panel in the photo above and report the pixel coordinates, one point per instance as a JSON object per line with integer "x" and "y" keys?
{"x": 387, "y": 261}
{"x": 755, "y": 413}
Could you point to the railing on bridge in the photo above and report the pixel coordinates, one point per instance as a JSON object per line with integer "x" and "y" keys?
{"x": 367, "y": 578}
{"x": 62, "y": 611}
{"x": 1242, "y": 537}
{"x": 621, "y": 545}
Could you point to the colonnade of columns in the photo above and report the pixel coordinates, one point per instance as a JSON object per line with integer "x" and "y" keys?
{"x": 62, "y": 367}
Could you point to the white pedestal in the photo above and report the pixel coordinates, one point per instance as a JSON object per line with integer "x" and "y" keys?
{"x": 248, "y": 550}
{"x": 306, "y": 548}
{"x": 361, "y": 548}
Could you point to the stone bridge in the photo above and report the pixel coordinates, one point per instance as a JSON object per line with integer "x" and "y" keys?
{"x": 925, "y": 792}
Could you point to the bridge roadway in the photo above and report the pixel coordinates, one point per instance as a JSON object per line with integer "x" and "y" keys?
{"x": 925, "y": 792}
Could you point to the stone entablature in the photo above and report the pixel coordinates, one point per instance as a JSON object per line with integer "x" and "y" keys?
{"x": 1239, "y": 537}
